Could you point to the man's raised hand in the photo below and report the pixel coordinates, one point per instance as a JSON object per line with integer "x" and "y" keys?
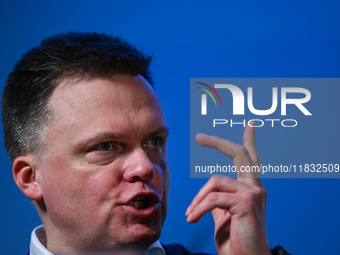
{"x": 238, "y": 206}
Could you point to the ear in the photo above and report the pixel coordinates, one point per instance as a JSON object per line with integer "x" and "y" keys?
{"x": 25, "y": 176}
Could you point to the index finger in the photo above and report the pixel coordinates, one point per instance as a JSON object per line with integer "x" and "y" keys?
{"x": 243, "y": 157}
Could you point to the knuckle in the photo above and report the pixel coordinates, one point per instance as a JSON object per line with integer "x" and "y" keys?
{"x": 260, "y": 192}
{"x": 241, "y": 150}
{"x": 248, "y": 197}
{"x": 212, "y": 197}
{"x": 215, "y": 179}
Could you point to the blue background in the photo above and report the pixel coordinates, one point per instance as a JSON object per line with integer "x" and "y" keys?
{"x": 198, "y": 39}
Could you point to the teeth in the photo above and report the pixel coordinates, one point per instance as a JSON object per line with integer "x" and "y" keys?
{"x": 139, "y": 204}
{"x": 140, "y": 198}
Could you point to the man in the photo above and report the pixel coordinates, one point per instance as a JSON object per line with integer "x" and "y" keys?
{"x": 87, "y": 137}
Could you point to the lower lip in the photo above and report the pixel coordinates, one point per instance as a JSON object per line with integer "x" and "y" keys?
{"x": 142, "y": 213}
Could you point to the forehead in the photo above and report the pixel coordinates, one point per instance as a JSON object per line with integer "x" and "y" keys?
{"x": 123, "y": 91}
{"x": 120, "y": 103}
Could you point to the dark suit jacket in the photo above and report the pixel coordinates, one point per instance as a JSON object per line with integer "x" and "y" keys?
{"x": 177, "y": 249}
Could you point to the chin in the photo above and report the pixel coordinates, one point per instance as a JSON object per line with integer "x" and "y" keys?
{"x": 145, "y": 237}
{"x": 147, "y": 231}
{"x": 139, "y": 235}
{"x": 139, "y": 238}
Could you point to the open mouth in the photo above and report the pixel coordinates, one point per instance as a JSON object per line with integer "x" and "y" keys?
{"x": 141, "y": 202}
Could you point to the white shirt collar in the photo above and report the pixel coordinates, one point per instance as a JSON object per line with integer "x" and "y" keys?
{"x": 155, "y": 249}
{"x": 39, "y": 241}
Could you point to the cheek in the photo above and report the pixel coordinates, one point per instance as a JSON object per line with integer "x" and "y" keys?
{"x": 54, "y": 178}
{"x": 74, "y": 199}
{"x": 70, "y": 187}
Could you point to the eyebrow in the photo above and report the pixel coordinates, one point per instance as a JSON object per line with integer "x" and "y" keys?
{"x": 82, "y": 146}
{"x": 160, "y": 130}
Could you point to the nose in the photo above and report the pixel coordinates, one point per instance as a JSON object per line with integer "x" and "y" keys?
{"x": 138, "y": 166}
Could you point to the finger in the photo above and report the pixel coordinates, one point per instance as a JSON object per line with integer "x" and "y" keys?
{"x": 220, "y": 214}
{"x": 236, "y": 152}
{"x": 252, "y": 173}
{"x": 243, "y": 202}
{"x": 250, "y": 144}
{"x": 218, "y": 200}
{"x": 216, "y": 143}
{"x": 216, "y": 183}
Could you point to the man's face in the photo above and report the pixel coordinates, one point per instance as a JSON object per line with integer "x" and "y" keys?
{"x": 104, "y": 174}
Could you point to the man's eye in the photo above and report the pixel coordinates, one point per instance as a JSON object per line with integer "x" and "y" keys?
{"x": 103, "y": 153}
{"x": 107, "y": 146}
{"x": 154, "y": 143}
